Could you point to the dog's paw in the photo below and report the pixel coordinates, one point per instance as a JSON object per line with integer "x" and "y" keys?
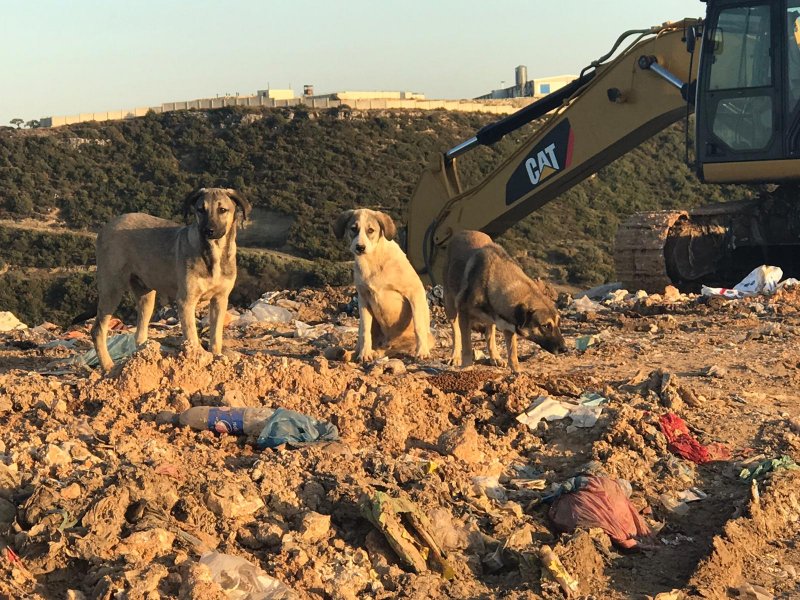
{"x": 497, "y": 362}
{"x": 367, "y": 356}
{"x": 422, "y": 353}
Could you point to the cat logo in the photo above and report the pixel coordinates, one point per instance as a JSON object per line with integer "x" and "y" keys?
{"x": 551, "y": 155}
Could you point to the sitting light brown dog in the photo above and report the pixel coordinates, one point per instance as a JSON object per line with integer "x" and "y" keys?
{"x": 483, "y": 283}
{"x": 392, "y": 306}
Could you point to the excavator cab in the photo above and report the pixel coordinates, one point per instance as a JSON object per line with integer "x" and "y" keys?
{"x": 748, "y": 88}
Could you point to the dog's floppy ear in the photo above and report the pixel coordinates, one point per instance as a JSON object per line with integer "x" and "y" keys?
{"x": 188, "y": 202}
{"x": 341, "y": 223}
{"x": 387, "y": 225}
{"x": 240, "y": 201}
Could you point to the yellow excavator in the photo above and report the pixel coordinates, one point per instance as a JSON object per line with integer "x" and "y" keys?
{"x": 737, "y": 70}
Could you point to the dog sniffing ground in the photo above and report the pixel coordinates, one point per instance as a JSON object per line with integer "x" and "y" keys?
{"x": 99, "y": 500}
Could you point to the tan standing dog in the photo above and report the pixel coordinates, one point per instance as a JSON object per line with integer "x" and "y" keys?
{"x": 483, "y": 282}
{"x": 188, "y": 264}
{"x": 392, "y": 306}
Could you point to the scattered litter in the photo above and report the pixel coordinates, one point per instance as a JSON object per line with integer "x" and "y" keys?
{"x": 296, "y": 429}
{"x": 555, "y": 569}
{"x": 761, "y": 280}
{"x": 585, "y": 305}
{"x": 119, "y": 346}
{"x": 9, "y": 322}
{"x": 681, "y": 442}
{"x": 264, "y": 310}
{"x": 600, "y": 291}
{"x": 584, "y": 341}
{"x": 489, "y": 487}
{"x": 241, "y": 580}
{"x": 767, "y": 466}
{"x": 389, "y": 516}
{"x": 592, "y": 399}
{"x": 676, "y": 539}
{"x": 308, "y": 332}
{"x": 679, "y": 503}
{"x": 545, "y": 408}
{"x": 582, "y": 415}
{"x": 591, "y": 501}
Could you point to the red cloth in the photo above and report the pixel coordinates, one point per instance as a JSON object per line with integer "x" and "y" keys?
{"x": 685, "y": 445}
{"x": 600, "y": 503}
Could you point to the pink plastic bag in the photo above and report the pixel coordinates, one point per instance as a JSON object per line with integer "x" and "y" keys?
{"x": 600, "y": 502}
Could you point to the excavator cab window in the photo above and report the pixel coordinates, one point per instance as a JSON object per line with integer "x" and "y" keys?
{"x": 748, "y": 99}
{"x": 740, "y": 104}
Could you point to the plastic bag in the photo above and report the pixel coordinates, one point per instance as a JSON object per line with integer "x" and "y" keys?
{"x": 241, "y": 580}
{"x": 119, "y": 346}
{"x": 590, "y": 501}
{"x": 288, "y": 426}
{"x": 762, "y": 280}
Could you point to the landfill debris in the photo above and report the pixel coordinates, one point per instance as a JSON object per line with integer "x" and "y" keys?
{"x": 681, "y": 442}
{"x": 490, "y": 487}
{"x": 413, "y": 544}
{"x": 583, "y": 342}
{"x": 296, "y": 429}
{"x": 220, "y": 419}
{"x": 600, "y": 291}
{"x": 768, "y": 466}
{"x": 761, "y": 280}
{"x": 670, "y": 391}
{"x": 304, "y": 331}
{"x": 678, "y": 503}
{"x": 241, "y": 580}
{"x": 591, "y": 501}
{"x": 9, "y": 322}
{"x": 264, "y": 310}
{"x": 555, "y": 569}
{"x": 583, "y": 415}
{"x": 585, "y": 305}
{"x": 120, "y": 346}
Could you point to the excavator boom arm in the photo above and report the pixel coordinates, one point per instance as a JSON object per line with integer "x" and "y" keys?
{"x": 596, "y": 119}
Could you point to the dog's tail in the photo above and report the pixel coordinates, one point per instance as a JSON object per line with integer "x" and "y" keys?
{"x": 84, "y": 316}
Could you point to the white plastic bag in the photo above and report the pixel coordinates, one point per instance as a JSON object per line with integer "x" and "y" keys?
{"x": 761, "y": 280}
{"x": 241, "y": 580}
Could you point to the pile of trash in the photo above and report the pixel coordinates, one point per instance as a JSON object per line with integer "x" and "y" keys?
{"x": 281, "y": 471}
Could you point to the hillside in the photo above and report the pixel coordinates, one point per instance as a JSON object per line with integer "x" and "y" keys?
{"x": 299, "y": 168}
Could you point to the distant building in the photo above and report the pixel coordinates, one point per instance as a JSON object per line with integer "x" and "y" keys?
{"x": 376, "y": 95}
{"x": 529, "y": 88}
{"x": 276, "y": 94}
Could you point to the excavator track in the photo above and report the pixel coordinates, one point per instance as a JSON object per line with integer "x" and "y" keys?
{"x": 639, "y": 250}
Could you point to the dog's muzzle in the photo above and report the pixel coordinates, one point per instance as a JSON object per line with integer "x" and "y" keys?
{"x": 360, "y": 249}
{"x": 211, "y": 234}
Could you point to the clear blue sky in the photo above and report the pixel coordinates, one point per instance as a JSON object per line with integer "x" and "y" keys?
{"x": 61, "y": 57}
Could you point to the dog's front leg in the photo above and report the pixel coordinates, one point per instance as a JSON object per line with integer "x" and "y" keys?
{"x": 365, "y": 351}
{"x": 455, "y": 359}
{"x": 491, "y": 343}
{"x": 421, "y": 315}
{"x": 465, "y": 325}
{"x": 511, "y": 349}
{"x": 186, "y": 313}
{"x": 217, "y": 310}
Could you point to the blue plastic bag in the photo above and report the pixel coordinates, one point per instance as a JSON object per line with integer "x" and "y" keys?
{"x": 287, "y": 426}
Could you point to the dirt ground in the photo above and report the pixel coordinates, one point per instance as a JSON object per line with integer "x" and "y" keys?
{"x": 98, "y": 501}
